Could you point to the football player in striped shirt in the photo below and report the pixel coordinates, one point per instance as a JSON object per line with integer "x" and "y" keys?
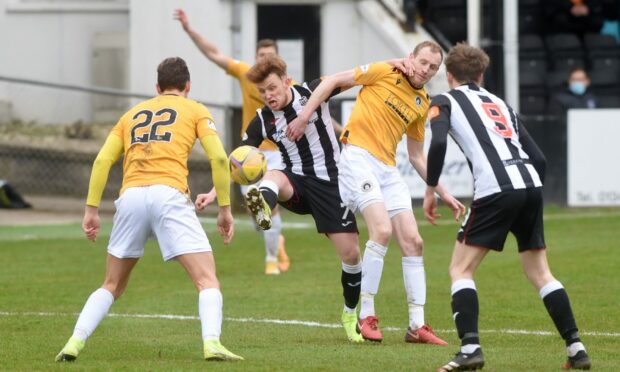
{"x": 276, "y": 259}
{"x": 508, "y": 169}
{"x": 156, "y": 138}
{"x": 389, "y": 105}
{"x": 308, "y": 184}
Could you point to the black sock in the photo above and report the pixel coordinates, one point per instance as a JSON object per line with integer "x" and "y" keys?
{"x": 558, "y": 306}
{"x": 351, "y": 288}
{"x": 270, "y": 197}
{"x": 465, "y": 306}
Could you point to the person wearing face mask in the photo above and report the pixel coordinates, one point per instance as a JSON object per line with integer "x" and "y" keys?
{"x": 576, "y": 95}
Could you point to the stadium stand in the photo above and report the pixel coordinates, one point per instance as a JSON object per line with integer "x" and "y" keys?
{"x": 547, "y": 52}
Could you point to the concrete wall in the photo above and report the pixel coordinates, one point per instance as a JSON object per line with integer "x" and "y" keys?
{"x": 52, "y": 42}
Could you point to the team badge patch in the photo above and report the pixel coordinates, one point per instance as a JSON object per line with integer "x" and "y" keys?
{"x": 364, "y": 68}
{"x": 366, "y": 186}
{"x": 418, "y": 101}
{"x": 211, "y": 124}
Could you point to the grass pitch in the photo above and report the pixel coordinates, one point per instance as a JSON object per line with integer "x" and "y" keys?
{"x": 291, "y": 322}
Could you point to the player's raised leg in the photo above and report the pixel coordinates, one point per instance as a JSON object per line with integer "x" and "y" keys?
{"x": 97, "y": 306}
{"x": 201, "y": 269}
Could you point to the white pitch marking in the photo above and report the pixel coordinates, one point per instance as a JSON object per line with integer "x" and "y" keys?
{"x": 302, "y": 323}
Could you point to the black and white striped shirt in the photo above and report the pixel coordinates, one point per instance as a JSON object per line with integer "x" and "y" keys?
{"x": 316, "y": 153}
{"x": 500, "y": 153}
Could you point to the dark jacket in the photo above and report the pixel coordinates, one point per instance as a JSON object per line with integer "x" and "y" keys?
{"x": 558, "y": 17}
{"x": 562, "y": 101}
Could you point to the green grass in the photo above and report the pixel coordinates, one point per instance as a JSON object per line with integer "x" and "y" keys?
{"x": 47, "y": 272}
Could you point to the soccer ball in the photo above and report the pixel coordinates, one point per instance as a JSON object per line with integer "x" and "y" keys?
{"x": 247, "y": 165}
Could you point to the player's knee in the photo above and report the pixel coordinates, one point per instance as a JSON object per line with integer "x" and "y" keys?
{"x": 117, "y": 289}
{"x": 458, "y": 270}
{"x": 205, "y": 282}
{"x": 351, "y": 256}
{"x": 412, "y": 246}
{"x": 382, "y": 233}
{"x": 539, "y": 278}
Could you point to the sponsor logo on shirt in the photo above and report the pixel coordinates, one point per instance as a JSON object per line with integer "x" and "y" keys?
{"x": 400, "y": 108}
{"x": 279, "y": 135}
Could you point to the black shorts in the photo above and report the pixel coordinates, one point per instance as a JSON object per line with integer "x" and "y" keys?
{"x": 491, "y": 218}
{"x": 321, "y": 199}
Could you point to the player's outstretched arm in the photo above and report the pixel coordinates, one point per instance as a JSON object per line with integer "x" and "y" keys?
{"x": 206, "y": 47}
{"x": 405, "y": 65}
{"x": 323, "y": 91}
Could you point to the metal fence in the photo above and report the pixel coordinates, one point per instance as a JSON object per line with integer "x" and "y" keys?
{"x": 55, "y": 159}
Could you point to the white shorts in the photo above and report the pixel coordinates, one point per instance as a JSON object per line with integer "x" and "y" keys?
{"x": 274, "y": 161}
{"x": 160, "y": 211}
{"x": 363, "y": 179}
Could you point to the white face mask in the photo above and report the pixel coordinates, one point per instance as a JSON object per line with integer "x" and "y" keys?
{"x": 577, "y": 87}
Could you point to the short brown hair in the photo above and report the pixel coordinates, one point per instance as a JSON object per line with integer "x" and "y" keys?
{"x": 466, "y": 63}
{"x": 434, "y": 47}
{"x": 265, "y": 67}
{"x": 172, "y": 73}
{"x": 266, "y": 43}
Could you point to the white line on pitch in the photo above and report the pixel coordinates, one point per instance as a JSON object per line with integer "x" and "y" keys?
{"x": 301, "y": 322}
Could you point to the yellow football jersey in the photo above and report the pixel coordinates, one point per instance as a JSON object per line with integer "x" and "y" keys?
{"x": 251, "y": 98}
{"x": 158, "y": 135}
{"x": 387, "y": 107}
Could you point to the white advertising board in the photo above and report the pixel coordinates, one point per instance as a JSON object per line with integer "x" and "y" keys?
{"x": 593, "y": 173}
{"x": 456, "y": 176}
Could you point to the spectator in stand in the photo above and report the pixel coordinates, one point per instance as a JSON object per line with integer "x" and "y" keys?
{"x": 576, "y": 95}
{"x": 573, "y": 16}
{"x": 611, "y": 23}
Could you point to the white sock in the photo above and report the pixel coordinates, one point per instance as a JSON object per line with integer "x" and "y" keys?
{"x": 415, "y": 287}
{"x": 372, "y": 268}
{"x": 210, "y": 304}
{"x": 469, "y": 348}
{"x": 272, "y": 239}
{"x": 95, "y": 309}
{"x": 574, "y": 348}
{"x": 550, "y": 287}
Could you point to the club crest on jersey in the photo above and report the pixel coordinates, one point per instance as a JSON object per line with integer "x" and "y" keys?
{"x": 211, "y": 124}
{"x": 303, "y": 100}
{"x": 418, "y": 101}
{"x": 398, "y": 81}
{"x": 364, "y": 68}
{"x": 366, "y": 186}
{"x": 279, "y": 135}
